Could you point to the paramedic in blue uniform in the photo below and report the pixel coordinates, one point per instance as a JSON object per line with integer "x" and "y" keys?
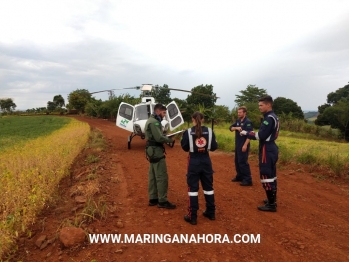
{"x": 268, "y": 151}
{"x": 198, "y": 141}
{"x": 242, "y": 148}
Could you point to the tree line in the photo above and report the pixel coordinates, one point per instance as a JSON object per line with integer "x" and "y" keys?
{"x": 334, "y": 113}
{"x": 202, "y": 98}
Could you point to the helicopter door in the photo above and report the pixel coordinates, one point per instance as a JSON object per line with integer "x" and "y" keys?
{"x": 125, "y": 116}
{"x": 173, "y": 115}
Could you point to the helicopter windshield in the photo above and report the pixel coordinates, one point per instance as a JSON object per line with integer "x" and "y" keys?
{"x": 142, "y": 112}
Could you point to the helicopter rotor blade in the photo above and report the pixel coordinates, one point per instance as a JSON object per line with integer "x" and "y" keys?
{"x": 136, "y": 87}
{"x": 193, "y": 92}
{"x": 156, "y": 87}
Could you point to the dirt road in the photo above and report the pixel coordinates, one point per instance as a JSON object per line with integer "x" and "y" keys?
{"x": 311, "y": 223}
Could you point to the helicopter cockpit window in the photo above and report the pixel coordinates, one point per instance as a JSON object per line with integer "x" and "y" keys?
{"x": 142, "y": 112}
{"x": 126, "y": 111}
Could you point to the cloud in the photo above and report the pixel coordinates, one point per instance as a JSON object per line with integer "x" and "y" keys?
{"x": 296, "y": 50}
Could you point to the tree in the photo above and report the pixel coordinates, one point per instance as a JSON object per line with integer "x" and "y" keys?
{"x": 162, "y": 94}
{"x": 92, "y": 107}
{"x": 51, "y": 106}
{"x": 7, "y": 105}
{"x": 221, "y": 113}
{"x": 59, "y": 101}
{"x": 202, "y": 95}
{"x": 336, "y": 112}
{"x": 207, "y": 112}
{"x": 336, "y": 116}
{"x": 322, "y": 108}
{"x": 287, "y": 106}
{"x": 334, "y": 97}
{"x": 250, "y": 95}
{"x": 78, "y": 99}
{"x": 108, "y": 109}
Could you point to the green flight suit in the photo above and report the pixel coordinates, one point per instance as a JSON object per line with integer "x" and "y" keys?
{"x": 157, "y": 175}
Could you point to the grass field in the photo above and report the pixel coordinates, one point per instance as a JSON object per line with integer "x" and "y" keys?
{"x": 296, "y": 147}
{"x": 34, "y": 159}
{"x": 14, "y": 130}
{"x": 312, "y": 119}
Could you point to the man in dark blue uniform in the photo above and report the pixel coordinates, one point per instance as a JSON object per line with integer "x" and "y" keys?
{"x": 198, "y": 141}
{"x": 268, "y": 150}
{"x": 242, "y": 148}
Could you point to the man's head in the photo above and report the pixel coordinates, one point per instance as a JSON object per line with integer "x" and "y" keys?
{"x": 160, "y": 110}
{"x": 242, "y": 111}
{"x": 265, "y": 104}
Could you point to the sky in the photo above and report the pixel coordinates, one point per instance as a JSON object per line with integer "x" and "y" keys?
{"x": 295, "y": 49}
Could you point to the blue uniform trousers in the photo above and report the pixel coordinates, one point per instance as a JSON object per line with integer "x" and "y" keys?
{"x": 200, "y": 169}
{"x": 242, "y": 167}
{"x": 268, "y": 156}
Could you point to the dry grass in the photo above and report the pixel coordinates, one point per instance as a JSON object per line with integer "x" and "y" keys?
{"x": 30, "y": 173}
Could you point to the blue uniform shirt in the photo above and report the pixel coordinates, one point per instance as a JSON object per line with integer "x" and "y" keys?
{"x": 246, "y": 125}
{"x": 269, "y": 129}
{"x": 199, "y": 145}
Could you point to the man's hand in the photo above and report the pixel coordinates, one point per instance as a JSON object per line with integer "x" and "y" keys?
{"x": 171, "y": 144}
{"x": 236, "y": 129}
{"x": 243, "y": 133}
{"x": 244, "y": 148}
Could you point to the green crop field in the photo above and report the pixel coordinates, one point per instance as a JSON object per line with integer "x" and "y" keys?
{"x": 35, "y": 154}
{"x": 16, "y": 129}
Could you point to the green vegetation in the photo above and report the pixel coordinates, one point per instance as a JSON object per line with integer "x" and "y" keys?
{"x": 287, "y": 106}
{"x": 250, "y": 95}
{"x": 30, "y": 172}
{"x": 7, "y": 105}
{"x": 336, "y": 111}
{"x": 311, "y": 114}
{"x": 92, "y": 159}
{"x": 295, "y": 147}
{"x": 16, "y": 129}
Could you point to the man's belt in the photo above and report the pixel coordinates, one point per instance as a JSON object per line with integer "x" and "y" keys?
{"x": 151, "y": 143}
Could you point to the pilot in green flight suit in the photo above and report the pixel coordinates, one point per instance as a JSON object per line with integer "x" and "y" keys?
{"x": 155, "y": 151}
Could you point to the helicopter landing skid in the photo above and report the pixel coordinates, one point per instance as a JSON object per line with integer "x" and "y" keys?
{"x": 130, "y": 139}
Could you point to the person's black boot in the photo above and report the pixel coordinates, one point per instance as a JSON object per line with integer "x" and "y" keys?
{"x": 153, "y": 202}
{"x": 167, "y": 205}
{"x": 265, "y": 201}
{"x": 211, "y": 216}
{"x": 235, "y": 180}
{"x": 190, "y": 220}
{"x": 270, "y": 206}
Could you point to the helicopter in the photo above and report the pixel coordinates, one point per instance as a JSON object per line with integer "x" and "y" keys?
{"x": 133, "y": 118}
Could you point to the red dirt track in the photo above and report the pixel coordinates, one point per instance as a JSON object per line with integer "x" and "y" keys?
{"x": 311, "y": 222}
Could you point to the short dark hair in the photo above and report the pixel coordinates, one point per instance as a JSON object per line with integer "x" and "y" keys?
{"x": 243, "y": 108}
{"x": 160, "y": 107}
{"x": 266, "y": 99}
